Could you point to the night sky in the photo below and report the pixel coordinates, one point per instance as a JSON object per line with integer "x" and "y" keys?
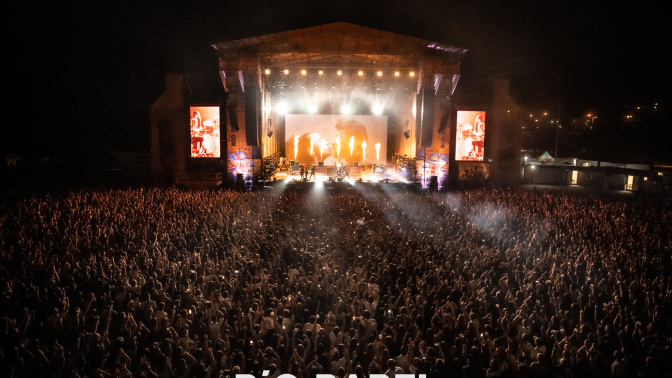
{"x": 83, "y": 75}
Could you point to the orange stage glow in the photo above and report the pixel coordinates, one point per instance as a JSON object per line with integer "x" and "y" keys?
{"x": 338, "y": 146}
{"x": 312, "y": 143}
{"x": 378, "y": 151}
{"x": 296, "y": 146}
{"x": 363, "y": 150}
{"x": 320, "y": 138}
{"x": 323, "y": 145}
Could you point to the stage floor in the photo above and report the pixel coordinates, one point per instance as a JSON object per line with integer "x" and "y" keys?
{"x": 354, "y": 173}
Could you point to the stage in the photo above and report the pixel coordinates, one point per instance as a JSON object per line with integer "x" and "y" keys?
{"x": 368, "y": 177}
{"x": 368, "y": 173}
{"x": 295, "y": 183}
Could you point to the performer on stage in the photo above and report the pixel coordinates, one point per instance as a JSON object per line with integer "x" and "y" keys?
{"x": 342, "y": 170}
{"x": 196, "y": 133}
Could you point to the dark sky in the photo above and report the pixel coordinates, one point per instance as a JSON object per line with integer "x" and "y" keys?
{"x": 86, "y": 72}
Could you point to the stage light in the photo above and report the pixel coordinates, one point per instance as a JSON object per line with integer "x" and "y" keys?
{"x": 407, "y": 134}
{"x": 396, "y": 74}
{"x": 377, "y": 108}
{"x": 268, "y": 72}
{"x": 286, "y": 72}
{"x": 303, "y": 72}
{"x": 282, "y": 108}
{"x": 412, "y": 74}
{"x": 339, "y": 73}
{"x": 380, "y": 73}
{"x": 320, "y": 72}
{"x": 312, "y": 108}
{"x": 360, "y": 73}
{"x": 346, "y": 109}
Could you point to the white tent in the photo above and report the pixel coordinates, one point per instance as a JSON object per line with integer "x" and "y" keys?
{"x": 545, "y": 158}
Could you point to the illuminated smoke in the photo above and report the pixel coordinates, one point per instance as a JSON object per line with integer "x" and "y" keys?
{"x": 378, "y": 151}
{"x": 352, "y": 144}
{"x": 338, "y": 146}
{"x": 312, "y": 143}
{"x": 296, "y": 146}
{"x": 363, "y": 150}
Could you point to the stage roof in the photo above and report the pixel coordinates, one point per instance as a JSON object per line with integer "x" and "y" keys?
{"x": 388, "y": 60}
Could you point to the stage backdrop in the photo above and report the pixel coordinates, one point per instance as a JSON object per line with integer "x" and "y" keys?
{"x": 205, "y": 131}
{"x": 470, "y": 138}
{"x": 330, "y": 137}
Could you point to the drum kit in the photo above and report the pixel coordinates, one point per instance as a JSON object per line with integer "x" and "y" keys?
{"x": 341, "y": 171}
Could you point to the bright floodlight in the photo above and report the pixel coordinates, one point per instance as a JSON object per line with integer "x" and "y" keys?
{"x": 282, "y": 108}
{"x": 286, "y": 72}
{"x": 268, "y": 72}
{"x": 312, "y": 108}
{"x": 303, "y": 72}
{"x": 377, "y": 108}
{"x": 318, "y": 188}
{"x": 339, "y": 73}
{"x": 346, "y": 109}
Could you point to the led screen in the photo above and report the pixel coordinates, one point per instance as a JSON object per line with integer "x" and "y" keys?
{"x": 204, "y": 127}
{"x": 470, "y": 135}
{"x": 333, "y": 138}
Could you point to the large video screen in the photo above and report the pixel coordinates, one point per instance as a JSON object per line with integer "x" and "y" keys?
{"x": 204, "y": 127}
{"x": 332, "y": 138}
{"x": 470, "y": 135}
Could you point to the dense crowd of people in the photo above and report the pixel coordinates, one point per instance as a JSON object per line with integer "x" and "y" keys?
{"x": 479, "y": 283}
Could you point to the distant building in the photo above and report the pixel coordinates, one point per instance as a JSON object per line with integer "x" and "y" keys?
{"x": 641, "y": 178}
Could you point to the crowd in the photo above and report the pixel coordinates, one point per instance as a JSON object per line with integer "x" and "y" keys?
{"x": 480, "y": 283}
